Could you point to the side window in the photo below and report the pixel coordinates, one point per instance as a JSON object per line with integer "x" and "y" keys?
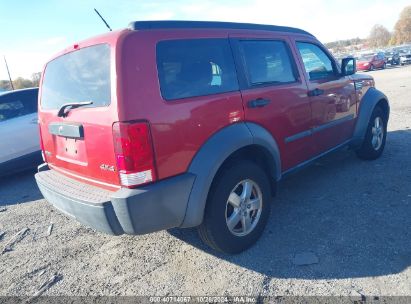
{"x": 11, "y": 107}
{"x": 29, "y": 99}
{"x": 197, "y": 67}
{"x": 267, "y": 62}
{"x": 316, "y": 62}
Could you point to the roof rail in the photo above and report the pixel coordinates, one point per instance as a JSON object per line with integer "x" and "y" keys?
{"x": 171, "y": 24}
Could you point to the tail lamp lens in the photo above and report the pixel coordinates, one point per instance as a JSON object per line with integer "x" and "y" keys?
{"x": 134, "y": 153}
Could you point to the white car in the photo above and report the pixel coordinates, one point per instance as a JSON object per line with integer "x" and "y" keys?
{"x": 19, "y": 132}
{"x": 405, "y": 58}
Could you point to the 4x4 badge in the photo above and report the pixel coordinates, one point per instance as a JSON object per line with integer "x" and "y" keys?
{"x": 107, "y": 168}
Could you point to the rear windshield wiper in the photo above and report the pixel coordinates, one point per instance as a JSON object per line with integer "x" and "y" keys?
{"x": 65, "y": 108}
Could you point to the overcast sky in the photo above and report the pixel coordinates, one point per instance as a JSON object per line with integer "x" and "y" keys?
{"x": 32, "y": 31}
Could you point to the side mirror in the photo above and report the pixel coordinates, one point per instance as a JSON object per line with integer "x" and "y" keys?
{"x": 348, "y": 66}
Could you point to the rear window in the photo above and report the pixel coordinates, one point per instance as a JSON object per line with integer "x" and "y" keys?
{"x": 189, "y": 68}
{"x": 82, "y": 75}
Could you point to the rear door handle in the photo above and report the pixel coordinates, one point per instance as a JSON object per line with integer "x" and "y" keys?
{"x": 315, "y": 92}
{"x": 258, "y": 103}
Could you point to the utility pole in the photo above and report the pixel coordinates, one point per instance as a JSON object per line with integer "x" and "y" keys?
{"x": 8, "y": 72}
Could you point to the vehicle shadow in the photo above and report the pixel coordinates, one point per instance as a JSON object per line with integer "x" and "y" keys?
{"x": 354, "y": 215}
{"x": 19, "y": 188}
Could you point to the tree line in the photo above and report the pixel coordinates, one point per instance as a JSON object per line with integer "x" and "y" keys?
{"x": 21, "y": 83}
{"x": 380, "y": 36}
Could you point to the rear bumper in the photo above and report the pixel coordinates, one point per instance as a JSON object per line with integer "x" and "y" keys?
{"x": 150, "y": 208}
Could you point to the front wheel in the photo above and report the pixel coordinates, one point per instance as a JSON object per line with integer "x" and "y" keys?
{"x": 237, "y": 208}
{"x": 374, "y": 141}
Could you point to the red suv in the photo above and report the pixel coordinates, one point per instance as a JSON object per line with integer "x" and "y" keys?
{"x": 182, "y": 124}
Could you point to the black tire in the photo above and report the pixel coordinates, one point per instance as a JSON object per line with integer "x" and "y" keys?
{"x": 214, "y": 230}
{"x": 371, "y": 68}
{"x": 384, "y": 66}
{"x": 368, "y": 151}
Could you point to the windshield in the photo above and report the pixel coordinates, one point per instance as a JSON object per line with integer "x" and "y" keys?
{"x": 79, "y": 76}
{"x": 365, "y": 58}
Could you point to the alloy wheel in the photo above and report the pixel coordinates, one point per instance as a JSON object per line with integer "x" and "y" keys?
{"x": 243, "y": 208}
{"x": 377, "y": 133}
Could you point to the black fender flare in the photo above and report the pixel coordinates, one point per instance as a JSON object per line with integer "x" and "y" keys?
{"x": 368, "y": 102}
{"x": 212, "y": 155}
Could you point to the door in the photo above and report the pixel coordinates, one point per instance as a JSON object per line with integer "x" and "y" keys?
{"x": 18, "y": 125}
{"x": 331, "y": 95}
{"x": 274, "y": 94}
{"x": 381, "y": 59}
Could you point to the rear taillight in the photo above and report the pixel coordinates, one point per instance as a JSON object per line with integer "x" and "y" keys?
{"x": 134, "y": 153}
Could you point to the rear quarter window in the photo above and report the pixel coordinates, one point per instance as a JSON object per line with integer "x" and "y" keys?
{"x": 195, "y": 67}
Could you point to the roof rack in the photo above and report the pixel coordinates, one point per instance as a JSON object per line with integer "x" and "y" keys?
{"x": 171, "y": 24}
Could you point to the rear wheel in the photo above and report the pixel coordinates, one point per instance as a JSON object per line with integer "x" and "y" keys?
{"x": 374, "y": 141}
{"x": 237, "y": 208}
{"x": 384, "y": 66}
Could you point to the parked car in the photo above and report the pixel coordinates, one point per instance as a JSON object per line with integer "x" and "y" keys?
{"x": 371, "y": 62}
{"x": 405, "y": 56}
{"x": 392, "y": 57}
{"x": 19, "y": 132}
{"x": 173, "y": 124}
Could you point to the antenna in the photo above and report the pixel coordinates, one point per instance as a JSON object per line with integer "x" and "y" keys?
{"x": 108, "y": 26}
{"x": 8, "y": 72}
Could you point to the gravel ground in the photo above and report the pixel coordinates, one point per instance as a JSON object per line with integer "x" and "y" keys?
{"x": 351, "y": 218}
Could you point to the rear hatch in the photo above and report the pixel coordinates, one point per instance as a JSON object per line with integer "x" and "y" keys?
{"x": 78, "y": 141}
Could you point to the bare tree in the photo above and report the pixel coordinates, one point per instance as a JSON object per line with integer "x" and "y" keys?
{"x": 402, "y": 29}
{"x": 379, "y": 36}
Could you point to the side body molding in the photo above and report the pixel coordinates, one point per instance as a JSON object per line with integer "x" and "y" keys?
{"x": 367, "y": 105}
{"x": 212, "y": 155}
